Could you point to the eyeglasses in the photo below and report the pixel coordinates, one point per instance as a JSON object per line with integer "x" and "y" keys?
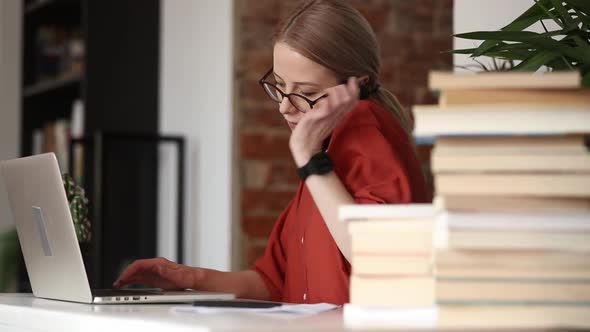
{"x": 301, "y": 103}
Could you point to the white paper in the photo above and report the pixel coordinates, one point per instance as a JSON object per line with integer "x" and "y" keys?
{"x": 298, "y": 309}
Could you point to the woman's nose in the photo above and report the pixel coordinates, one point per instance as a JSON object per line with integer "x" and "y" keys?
{"x": 285, "y": 107}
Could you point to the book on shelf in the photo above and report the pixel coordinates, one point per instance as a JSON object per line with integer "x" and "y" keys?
{"x": 392, "y": 291}
{"x": 541, "y": 184}
{"x": 447, "y": 163}
{"x": 511, "y": 291}
{"x": 438, "y": 80}
{"x": 55, "y": 136}
{"x": 409, "y": 242}
{"x": 392, "y": 243}
{"x": 486, "y": 120}
{"x": 77, "y": 132}
{"x": 37, "y": 147}
{"x": 514, "y": 97}
{"x": 404, "y": 264}
{"x": 48, "y": 137}
{"x": 531, "y": 221}
{"x": 506, "y": 154}
{"x": 393, "y": 225}
{"x": 62, "y": 144}
{"x": 385, "y": 211}
{"x": 59, "y": 52}
{"x": 483, "y": 271}
{"x": 512, "y": 145}
{"x": 77, "y": 119}
{"x": 390, "y": 228}
{"x": 513, "y": 204}
{"x": 519, "y": 240}
{"x": 525, "y": 259}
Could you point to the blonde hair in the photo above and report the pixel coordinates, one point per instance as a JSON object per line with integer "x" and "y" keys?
{"x": 335, "y": 35}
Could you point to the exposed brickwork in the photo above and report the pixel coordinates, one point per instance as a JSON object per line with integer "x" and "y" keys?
{"x": 411, "y": 34}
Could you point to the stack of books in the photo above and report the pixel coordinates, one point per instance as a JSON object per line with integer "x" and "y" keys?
{"x": 511, "y": 170}
{"x": 392, "y": 260}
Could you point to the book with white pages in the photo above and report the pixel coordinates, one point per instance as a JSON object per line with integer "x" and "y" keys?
{"x": 470, "y": 239}
{"x": 432, "y": 120}
{"x": 510, "y": 163}
{"x": 512, "y": 145}
{"x": 566, "y": 222}
{"x": 515, "y": 184}
{"x": 386, "y": 211}
{"x": 515, "y": 96}
{"x": 531, "y": 259}
{"x": 513, "y": 204}
{"x": 441, "y": 80}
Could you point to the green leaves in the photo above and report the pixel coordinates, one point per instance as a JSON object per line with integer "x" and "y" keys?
{"x": 528, "y": 18}
{"x": 8, "y": 258}
{"x": 581, "y": 5}
{"x": 534, "y": 40}
{"x": 564, "y": 49}
{"x": 536, "y": 61}
{"x": 78, "y": 208}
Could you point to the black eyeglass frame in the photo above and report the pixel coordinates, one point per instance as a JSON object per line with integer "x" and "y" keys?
{"x": 311, "y": 103}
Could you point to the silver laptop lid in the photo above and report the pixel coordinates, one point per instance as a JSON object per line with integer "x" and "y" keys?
{"x": 45, "y": 228}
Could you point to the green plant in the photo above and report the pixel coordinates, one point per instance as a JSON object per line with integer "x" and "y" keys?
{"x": 567, "y": 48}
{"x": 78, "y": 208}
{"x": 8, "y": 256}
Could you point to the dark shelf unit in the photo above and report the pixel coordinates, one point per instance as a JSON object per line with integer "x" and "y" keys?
{"x": 119, "y": 88}
{"x": 99, "y": 146}
{"x": 50, "y": 86}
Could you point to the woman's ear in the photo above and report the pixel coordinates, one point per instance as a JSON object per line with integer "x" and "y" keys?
{"x": 363, "y": 80}
{"x": 363, "y": 89}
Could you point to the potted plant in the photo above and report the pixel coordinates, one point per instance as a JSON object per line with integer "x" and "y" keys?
{"x": 78, "y": 209}
{"x": 566, "y": 48}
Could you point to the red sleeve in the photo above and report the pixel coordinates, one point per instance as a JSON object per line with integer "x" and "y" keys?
{"x": 370, "y": 166}
{"x": 271, "y": 265}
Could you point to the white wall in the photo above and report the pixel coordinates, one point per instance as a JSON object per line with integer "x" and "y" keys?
{"x": 196, "y": 100}
{"x": 485, "y": 15}
{"x": 10, "y": 33}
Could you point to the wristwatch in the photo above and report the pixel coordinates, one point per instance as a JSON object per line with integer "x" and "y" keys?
{"x": 320, "y": 163}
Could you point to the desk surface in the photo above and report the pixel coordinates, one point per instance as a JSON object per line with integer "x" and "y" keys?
{"x": 22, "y": 312}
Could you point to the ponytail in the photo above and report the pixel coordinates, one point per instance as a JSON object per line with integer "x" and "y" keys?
{"x": 392, "y": 105}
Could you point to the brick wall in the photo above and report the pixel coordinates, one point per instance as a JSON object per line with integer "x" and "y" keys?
{"x": 411, "y": 34}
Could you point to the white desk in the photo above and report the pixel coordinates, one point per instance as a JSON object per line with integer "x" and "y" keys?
{"x": 24, "y": 313}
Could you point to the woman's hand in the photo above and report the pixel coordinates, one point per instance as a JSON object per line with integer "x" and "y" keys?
{"x": 318, "y": 123}
{"x": 160, "y": 273}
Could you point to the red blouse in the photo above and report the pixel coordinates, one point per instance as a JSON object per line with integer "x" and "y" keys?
{"x": 376, "y": 162}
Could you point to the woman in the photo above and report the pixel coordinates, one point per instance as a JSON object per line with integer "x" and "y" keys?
{"x": 347, "y": 151}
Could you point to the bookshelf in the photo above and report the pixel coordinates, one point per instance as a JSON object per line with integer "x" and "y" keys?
{"x": 105, "y": 55}
{"x": 40, "y": 88}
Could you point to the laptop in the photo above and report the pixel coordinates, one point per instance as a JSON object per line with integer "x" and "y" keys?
{"x": 48, "y": 240}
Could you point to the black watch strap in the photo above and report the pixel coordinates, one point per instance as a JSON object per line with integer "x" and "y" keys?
{"x": 319, "y": 164}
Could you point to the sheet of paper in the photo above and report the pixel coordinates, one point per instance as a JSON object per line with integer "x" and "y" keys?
{"x": 298, "y": 309}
